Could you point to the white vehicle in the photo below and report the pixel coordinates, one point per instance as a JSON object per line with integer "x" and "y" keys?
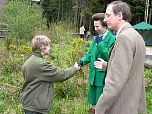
{"x": 36, "y": 1}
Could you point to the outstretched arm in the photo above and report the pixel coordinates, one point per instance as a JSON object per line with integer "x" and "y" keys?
{"x": 52, "y": 73}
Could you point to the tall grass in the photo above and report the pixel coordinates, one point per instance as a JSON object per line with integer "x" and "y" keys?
{"x": 66, "y": 50}
{"x": 72, "y": 93}
{"x": 148, "y": 76}
{"x": 22, "y": 20}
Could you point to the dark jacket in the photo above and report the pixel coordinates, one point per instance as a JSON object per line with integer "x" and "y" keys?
{"x": 37, "y": 91}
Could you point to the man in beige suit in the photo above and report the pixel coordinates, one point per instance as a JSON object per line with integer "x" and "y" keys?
{"x": 124, "y": 90}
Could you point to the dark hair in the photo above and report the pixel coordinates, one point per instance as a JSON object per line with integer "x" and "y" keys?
{"x": 99, "y": 17}
{"x": 120, "y": 6}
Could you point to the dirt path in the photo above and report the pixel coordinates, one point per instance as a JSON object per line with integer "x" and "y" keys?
{"x": 2, "y": 3}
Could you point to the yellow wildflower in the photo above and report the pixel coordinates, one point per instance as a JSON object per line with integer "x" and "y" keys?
{"x": 12, "y": 47}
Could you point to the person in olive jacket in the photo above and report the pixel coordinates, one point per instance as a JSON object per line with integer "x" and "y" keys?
{"x": 37, "y": 92}
{"x": 100, "y": 48}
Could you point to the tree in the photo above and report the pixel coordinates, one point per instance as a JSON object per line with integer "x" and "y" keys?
{"x": 79, "y": 12}
{"x": 50, "y": 8}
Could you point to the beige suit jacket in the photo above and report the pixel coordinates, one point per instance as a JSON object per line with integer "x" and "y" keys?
{"x": 124, "y": 90}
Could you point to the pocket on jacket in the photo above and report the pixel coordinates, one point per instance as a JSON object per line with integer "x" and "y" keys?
{"x": 44, "y": 99}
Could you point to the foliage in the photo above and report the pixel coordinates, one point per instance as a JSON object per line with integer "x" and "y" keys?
{"x": 79, "y": 12}
{"x": 63, "y": 31}
{"x": 70, "y": 106}
{"x": 148, "y": 75}
{"x": 64, "y": 53}
{"x": 138, "y": 10}
{"x": 14, "y": 58}
{"x": 67, "y": 49}
{"x": 22, "y": 19}
{"x": 50, "y": 8}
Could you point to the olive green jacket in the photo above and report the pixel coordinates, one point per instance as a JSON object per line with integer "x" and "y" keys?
{"x": 95, "y": 51}
{"x": 37, "y": 91}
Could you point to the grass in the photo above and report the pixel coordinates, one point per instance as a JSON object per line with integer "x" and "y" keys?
{"x": 1, "y": 43}
{"x": 70, "y": 96}
{"x": 70, "y": 106}
{"x": 148, "y": 75}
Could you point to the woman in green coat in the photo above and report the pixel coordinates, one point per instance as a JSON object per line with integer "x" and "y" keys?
{"x": 100, "y": 48}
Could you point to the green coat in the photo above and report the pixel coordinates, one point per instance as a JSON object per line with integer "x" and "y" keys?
{"x": 95, "y": 51}
{"x": 38, "y": 88}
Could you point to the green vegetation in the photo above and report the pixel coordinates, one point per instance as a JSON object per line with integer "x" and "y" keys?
{"x": 148, "y": 75}
{"x": 70, "y": 96}
{"x": 23, "y": 22}
{"x": 79, "y": 12}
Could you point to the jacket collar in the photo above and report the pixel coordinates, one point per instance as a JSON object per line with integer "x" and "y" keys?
{"x": 124, "y": 27}
{"x": 106, "y": 39}
{"x": 38, "y": 54}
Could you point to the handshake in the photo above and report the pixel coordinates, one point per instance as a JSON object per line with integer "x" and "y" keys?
{"x": 78, "y": 65}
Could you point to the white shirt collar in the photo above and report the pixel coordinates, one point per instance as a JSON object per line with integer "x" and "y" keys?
{"x": 104, "y": 34}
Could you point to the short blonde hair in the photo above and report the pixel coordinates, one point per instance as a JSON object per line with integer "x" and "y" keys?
{"x": 40, "y": 42}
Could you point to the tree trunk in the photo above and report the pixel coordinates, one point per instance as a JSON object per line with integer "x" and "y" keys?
{"x": 146, "y": 10}
{"x": 58, "y": 18}
{"x": 150, "y": 14}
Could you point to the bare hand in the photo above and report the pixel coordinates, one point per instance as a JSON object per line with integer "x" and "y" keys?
{"x": 77, "y": 66}
{"x": 98, "y": 64}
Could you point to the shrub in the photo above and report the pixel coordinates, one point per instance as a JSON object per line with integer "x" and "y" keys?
{"x": 148, "y": 77}
{"x": 23, "y": 20}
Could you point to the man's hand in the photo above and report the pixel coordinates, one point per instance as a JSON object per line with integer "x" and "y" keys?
{"x": 98, "y": 64}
